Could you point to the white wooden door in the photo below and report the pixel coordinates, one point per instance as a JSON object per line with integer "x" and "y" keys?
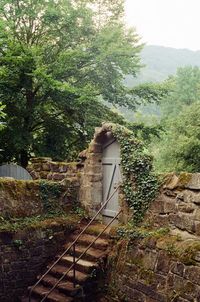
{"x": 111, "y": 176}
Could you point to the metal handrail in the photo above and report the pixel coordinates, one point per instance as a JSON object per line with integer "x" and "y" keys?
{"x": 74, "y": 242}
{"x": 71, "y": 267}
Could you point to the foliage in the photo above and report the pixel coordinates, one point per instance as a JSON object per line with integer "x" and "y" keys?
{"x": 50, "y": 192}
{"x": 178, "y": 149}
{"x": 41, "y": 221}
{"x": 130, "y": 233}
{"x": 57, "y": 63}
{"x": 140, "y": 185}
{"x": 184, "y": 90}
{"x": 144, "y": 132}
{"x": 150, "y": 92}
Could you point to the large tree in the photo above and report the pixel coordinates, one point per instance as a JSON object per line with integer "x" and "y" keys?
{"x": 179, "y": 147}
{"x": 184, "y": 89}
{"x": 59, "y": 59}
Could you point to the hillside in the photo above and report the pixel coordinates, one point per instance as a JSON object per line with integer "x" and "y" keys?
{"x": 163, "y": 61}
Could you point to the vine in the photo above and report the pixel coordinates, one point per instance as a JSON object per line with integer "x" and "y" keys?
{"x": 50, "y": 192}
{"x": 140, "y": 184}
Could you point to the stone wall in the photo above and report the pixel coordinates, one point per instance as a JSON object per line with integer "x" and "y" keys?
{"x": 178, "y": 205}
{"x": 25, "y": 254}
{"x": 20, "y": 198}
{"x": 160, "y": 260}
{"x": 45, "y": 168}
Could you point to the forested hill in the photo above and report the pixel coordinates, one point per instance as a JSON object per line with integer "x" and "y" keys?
{"x": 163, "y": 61}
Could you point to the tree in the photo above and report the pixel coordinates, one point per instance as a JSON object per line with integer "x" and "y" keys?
{"x": 184, "y": 90}
{"x": 55, "y": 61}
{"x": 179, "y": 148}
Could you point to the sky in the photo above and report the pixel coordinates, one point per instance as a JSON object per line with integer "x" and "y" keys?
{"x": 173, "y": 23}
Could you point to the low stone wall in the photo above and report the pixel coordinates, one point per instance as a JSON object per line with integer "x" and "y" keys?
{"x": 45, "y": 168}
{"x": 25, "y": 254}
{"x": 31, "y": 198}
{"x": 160, "y": 260}
{"x": 178, "y": 205}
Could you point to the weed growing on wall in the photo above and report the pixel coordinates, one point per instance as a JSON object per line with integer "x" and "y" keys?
{"x": 140, "y": 184}
{"x": 50, "y": 192}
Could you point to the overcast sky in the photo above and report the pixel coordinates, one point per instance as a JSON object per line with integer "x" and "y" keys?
{"x": 174, "y": 23}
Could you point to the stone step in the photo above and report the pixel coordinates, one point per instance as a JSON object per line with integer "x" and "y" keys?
{"x": 96, "y": 229}
{"x": 40, "y": 291}
{"x": 86, "y": 239}
{"x": 59, "y": 270}
{"x": 82, "y": 265}
{"x": 64, "y": 286}
{"x": 26, "y": 299}
{"x": 92, "y": 254}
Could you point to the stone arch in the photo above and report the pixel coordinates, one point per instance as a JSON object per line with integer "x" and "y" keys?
{"x": 91, "y": 189}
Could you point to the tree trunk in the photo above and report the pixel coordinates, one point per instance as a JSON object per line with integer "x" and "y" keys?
{"x": 24, "y": 158}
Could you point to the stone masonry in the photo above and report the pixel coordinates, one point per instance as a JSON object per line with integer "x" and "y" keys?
{"x": 161, "y": 261}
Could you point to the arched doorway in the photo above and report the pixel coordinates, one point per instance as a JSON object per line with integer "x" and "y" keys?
{"x": 111, "y": 175}
{"x": 101, "y": 173}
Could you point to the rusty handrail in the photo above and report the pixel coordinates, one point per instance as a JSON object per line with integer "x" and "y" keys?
{"x": 71, "y": 267}
{"x": 71, "y": 245}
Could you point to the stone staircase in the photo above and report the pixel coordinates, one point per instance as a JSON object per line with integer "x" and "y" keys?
{"x": 89, "y": 270}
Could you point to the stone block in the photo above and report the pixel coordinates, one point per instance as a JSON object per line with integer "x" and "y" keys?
{"x": 149, "y": 292}
{"x": 169, "y": 206}
{"x": 97, "y": 193}
{"x": 160, "y": 220}
{"x": 192, "y": 273}
{"x": 46, "y": 166}
{"x": 95, "y": 177}
{"x": 197, "y": 256}
{"x": 96, "y": 169}
{"x": 197, "y": 228}
{"x": 58, "y": 176}
{"x": 138, "y": 296}
{"x": 174, "y": 283}
{"x": 185, "y": 207}
{"x": 172, "y": 182}
{"x": 194, "y": 182}
{"x": 163, "y": 263}
{"x": 191, "y": 197}
{"x": 182, "y": 221}
{"x": 35, "y": 175}
{"x": 95, "y": 148}
{"x": 37, "y": 167}
{"x": 54, "y": 167}
{"x": 178, "y": 268}
{"x": 197, "y": 214}
{"x": 159, "y": 282}
{"x": 40, "y": 159}
{"x": 44, "y": 174}
{"x": 149, "y": 259}
{"x": 157, "y": 205}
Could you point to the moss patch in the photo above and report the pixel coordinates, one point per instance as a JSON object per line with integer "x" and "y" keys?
{"x": 37, "y": 222}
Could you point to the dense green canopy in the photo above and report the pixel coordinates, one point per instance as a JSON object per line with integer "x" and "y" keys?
{"x": 58, "y": 60}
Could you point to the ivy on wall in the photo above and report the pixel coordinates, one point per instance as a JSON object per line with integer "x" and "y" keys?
{"x": 140, "y": 184}
{"x": 50, "y": 192}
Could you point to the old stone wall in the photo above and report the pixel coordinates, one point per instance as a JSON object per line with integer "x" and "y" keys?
{"x": 45, "y": 168}
{"x": 20, "y": 198}
{"x": 160, "y": 259}
{"x": 178, "y": 205}
{"x": 25, "y": 254}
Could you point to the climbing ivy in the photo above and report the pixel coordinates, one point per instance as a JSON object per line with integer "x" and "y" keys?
{"x": 50, "y": 193}
{"x": 140, "y": 184}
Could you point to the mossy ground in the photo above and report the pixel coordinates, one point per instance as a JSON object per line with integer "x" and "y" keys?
{"x": 38, "y": 222}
